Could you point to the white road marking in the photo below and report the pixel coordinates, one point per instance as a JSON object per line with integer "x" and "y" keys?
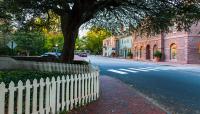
{"x": 145, "y": 68}
{"x": 129, "y": 70}
{"x": 138, "y": 69}
{"x": 116, "y": 71}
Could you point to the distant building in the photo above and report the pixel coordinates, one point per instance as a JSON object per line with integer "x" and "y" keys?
{"x": 125, "y": 45}
{"x": 179, "y": 47}
{"x": 109, "y": 46}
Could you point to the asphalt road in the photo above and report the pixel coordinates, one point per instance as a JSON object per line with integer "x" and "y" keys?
{"x": 175, "y": 88}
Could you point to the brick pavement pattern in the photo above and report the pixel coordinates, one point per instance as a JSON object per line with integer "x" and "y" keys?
{"x": 118, "y": 98}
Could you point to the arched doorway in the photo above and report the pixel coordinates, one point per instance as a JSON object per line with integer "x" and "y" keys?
{"x": 155, "y": 48}
{"x": 148, "y": 52}
{"x": 173, "y": 51}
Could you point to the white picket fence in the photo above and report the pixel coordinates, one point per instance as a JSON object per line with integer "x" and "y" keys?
{"x": 49, "y": 96}
{"x": 57, "y": 67}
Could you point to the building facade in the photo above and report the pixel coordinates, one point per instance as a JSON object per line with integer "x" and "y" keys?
{"x": 175, "y": 46}
{"x": 109, "y": 46}
{"x": 125, "y": 45}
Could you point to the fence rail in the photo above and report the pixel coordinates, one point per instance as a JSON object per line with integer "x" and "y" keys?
{"x": 49, "y": 96}
{"x": 58, "y": 67}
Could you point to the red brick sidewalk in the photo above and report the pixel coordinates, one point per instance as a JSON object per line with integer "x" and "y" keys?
{"x": 118, "y": 98}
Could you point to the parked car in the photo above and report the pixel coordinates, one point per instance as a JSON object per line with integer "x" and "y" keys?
{"x": 51, "y": 54}
{"x": 83, "y": 54}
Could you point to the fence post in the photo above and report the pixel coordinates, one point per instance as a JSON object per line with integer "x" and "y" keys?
{"x": 2, "y": 98}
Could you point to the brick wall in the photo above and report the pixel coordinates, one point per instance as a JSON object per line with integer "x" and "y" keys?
{"x": 180, "y": 40}
{"x": 193, "y": 49}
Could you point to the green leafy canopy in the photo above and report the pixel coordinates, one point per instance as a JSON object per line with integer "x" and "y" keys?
{"x": 145, "y": 15}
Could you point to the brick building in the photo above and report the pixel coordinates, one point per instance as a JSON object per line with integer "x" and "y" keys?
{"x": 180, "y": 47}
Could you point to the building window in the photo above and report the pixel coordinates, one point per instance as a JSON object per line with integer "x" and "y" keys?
{"x": 173, "y": 51}
{"x": 136, "y": 52}
{"x": 141, "y": 51}
{"x": 148, "y": 52}
{"x": 155, "y": 48}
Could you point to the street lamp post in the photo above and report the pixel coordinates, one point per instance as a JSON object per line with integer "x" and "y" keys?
{"x": 56, "y": 48}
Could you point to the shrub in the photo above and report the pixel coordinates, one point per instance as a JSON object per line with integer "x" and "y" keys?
{"x": 157, "y": 54}
{"x": 23, "y": 75}
{"x": 129, "y": 54}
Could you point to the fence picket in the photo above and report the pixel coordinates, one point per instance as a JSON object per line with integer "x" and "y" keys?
{"x": 58, "y": 95}
{"x": 63, "y": 93}
{"x": 11, "y": 98}
{"x": 67, "y": 94}
{"x": 34, "y": 105}
{"x": 47, "y": 101}
{"x": 19, "y": 97}
{"x": 3, "y": 91}
{"x": 89, "y": 87}
{"x": 53, "y": 96}
{"x": 79, "y": 90}
{"x": 75, "y": 92}
{"x": 83, "y": 96}
{"x": 27, "y": 102}
{"x": 86, "y": 88}
{"x": 92, "y": 86}
{"x": 97, "y": 74}
{"x": 95, "y": 87}
{"x": 41, "y": 98}
{"x": 71, "y": 92}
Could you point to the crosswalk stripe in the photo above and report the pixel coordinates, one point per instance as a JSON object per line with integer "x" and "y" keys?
{"x": 128, "y": 70}
{"x": 145, "y": 68}
{"x": 138, "y": 69}
{"x": 116, "y": 71}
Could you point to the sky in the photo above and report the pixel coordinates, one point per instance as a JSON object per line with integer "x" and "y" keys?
{"x": 82, "y": 32}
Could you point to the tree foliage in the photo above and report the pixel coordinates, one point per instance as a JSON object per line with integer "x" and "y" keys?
{"x": 94, "y": 39}
{"x": 81, "y": 44}
{"x": 53, "y": 39}
{"x": 151, "y": 16}
{"x": 29, "y": 43}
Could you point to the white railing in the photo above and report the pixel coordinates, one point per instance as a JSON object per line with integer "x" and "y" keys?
{"x": 49, "y": 96}
{"x": 57, "y": 67}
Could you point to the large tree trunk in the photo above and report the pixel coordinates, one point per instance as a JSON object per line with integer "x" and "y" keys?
{"x": 70, "y": 30}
